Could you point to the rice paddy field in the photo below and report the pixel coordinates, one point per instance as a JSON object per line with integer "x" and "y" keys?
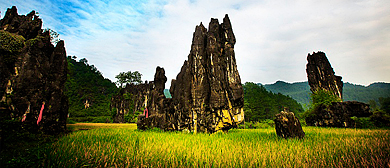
{"x": 122, "y": 145}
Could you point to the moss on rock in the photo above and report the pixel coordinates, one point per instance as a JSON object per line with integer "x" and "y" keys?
{"x": 10, "y": 42}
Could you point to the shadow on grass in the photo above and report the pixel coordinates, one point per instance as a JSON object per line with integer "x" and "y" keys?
{"x": 22, "y": 148}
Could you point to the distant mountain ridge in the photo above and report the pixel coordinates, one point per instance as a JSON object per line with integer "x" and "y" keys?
{"x": 300, "y": 91}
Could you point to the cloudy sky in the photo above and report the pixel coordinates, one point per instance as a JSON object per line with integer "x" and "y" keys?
{"x": 273, "y": 36}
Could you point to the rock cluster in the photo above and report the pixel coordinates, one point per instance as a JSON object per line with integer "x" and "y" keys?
{"x": 338, "y": 114}
{"x": 207, "y": 95}
{"x": 287, "y": 125}
{"x": 33, "y": 74}
{"x": 141, "y": 97}
{"x": 320, "y": 75}
{"x": 149, "y": 99}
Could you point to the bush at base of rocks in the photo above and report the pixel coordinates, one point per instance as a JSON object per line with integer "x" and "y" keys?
{"x": 380, "y": 119}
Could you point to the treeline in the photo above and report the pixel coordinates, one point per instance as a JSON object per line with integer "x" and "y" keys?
{"x": 260, "y": 104}
{"x": 365, "y": 94}
{"x": 89, "y": 93}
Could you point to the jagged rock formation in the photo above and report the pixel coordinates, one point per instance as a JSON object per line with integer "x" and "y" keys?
{"x": 33, "y": 72}
{"x": 338, "y": 114}
{"x": 287, "y": 125}
{"x": 130, "y": 99}
{"x": 146, "y": 98}
{"x": 208, "y": 92}
{"x": 320, "y": 74}
{"x": 137, "y": 98}
{"x": 321, "y": 77}
{"x": 159, "y": 111}
{"x": 207, "y": 95}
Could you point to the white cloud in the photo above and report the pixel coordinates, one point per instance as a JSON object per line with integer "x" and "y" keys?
{"x": 273, "y": 37}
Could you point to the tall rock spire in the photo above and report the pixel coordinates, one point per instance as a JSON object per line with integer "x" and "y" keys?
{"x": 208, "y": 89}
{"x": 337, "y": 114}
{"x": 320, "y": 74}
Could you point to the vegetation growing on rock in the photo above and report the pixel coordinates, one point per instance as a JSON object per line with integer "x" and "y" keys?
{"x": 10, "y": 42}
{"x": 319, "y": 98}
{"x": 327, "y": 108}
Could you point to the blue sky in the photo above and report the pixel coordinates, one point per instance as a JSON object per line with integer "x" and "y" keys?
{"x": 273, "y": 37}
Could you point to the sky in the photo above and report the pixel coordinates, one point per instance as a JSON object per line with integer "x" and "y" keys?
{"x": 273, "y": 37}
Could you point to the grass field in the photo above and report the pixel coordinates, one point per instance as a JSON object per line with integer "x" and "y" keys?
{"x": 121, "y": 145}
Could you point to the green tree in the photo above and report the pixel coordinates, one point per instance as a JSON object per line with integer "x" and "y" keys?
{"x": 324, "y": 97}
{"x": 385, "y": 104}
{"x": 128, "y": 78}
{"x": 373, "y": 105}
{"x": 319, "y": 98}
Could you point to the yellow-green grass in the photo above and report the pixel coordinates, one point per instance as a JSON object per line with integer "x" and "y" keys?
{"x": 121, "y": 145}
{"x": 88, "y": 126}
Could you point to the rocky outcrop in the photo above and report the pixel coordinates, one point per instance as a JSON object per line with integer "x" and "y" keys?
{"x": 207, "y": 92}
{"x": 130, "y": 100}
{"x": 148, "y": 96}
{"x": 320, "y": 74}
{"x": 288, "y": 126}
{"x": 29, "y": 26}
{"x": 148, "y": 103}
{"x": 338, "y": 114}
{"x": 33, "y": 73}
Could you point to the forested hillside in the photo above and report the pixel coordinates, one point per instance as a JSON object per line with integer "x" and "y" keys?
{"x": 261, "y": 104}
{"x": 89, "y": 93}
{"x": 300, "y": 91}
{"x": 364, "y": 94}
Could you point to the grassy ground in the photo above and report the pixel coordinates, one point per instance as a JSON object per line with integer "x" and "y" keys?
{"x": 121, "y": 145}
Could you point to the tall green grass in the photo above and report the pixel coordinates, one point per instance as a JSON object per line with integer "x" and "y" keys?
{"x": 121, "y": 145}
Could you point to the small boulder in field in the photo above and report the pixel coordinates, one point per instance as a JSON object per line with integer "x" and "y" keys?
{"x": 288, "y": 126}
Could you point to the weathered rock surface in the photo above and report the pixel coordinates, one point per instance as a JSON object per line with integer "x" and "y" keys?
{"x": 32, "y": 72}
{"x": 321, "y": 77}
{"x": 320, "y": 74}
{"x": 138, "y": 98}
{"x": 288, "y": 126}
{"x": 338, "y": 114}
{"x": 207, "y": 94}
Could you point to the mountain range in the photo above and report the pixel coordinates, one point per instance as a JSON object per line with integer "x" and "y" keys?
{"x": 300, "y": 91}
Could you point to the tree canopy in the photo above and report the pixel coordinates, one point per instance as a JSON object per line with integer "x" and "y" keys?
{"x": 128, "y": 78}
{"x": 385, "y": 104}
